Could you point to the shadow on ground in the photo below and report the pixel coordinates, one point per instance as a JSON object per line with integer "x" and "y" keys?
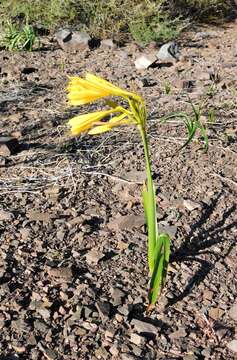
{"x": 195, "y": 245}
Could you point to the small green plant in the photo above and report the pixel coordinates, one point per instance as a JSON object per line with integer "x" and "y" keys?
{"x": 211, "y": 90}
{"x": 211, "y": 116}
{"x": 192, "y": 124}
{"x": 157, "y": 29}
{"x": 16, "y": 38}
{"x": 50, "y": 13}
{"x": 167, "y": 88}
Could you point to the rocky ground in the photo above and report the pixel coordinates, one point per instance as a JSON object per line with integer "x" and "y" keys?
{"x": 73, "y": 271}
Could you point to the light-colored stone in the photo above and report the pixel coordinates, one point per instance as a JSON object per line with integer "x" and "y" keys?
{"x": 233, "y": 312}
{"x": 191, "y": 205}
{"x": 114, "y": 350}
{"x": 137, "y": 339}
{"x": 215, "y": 313}
{"x": 108, "y": 44}
{"x": 93, "y": 257}
{"x": 232, "y": 345}
{"x": 72, "y": 40}
{"x": 144, "y": 61}
{"x": 39, "y": 216}
{"x": 63, "y": 274}
{"x": 127, "y": 357}
{"x": 8, "y": 146}
{"x": 6, "y": 215}
{"x": 126, "y": 222}
{"x": 144, "y": 327}
{"x": 168, "y": 52}
{"x": 117, "y": 296}
{"x": 180, "y": 333}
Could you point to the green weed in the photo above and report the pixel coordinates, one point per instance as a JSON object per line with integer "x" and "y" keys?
{"x": 17, "y": 38}
{"x": 167, "y": 88}
{"x": 192, "y": 123}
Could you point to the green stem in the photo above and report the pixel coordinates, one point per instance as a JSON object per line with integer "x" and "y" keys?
{"x": 148, "y": 161}
{"x": 151, "y": 204}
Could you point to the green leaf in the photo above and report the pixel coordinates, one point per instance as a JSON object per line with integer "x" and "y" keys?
{"x": 161, "y": 265}
{"x": 156, "y": 280}
{"x": 166, "y": 241}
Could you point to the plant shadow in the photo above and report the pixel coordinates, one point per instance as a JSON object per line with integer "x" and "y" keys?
{"x": 199, "y": 241}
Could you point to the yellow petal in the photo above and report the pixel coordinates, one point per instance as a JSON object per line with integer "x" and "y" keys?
{"x": 115, "y": 121}
{"x": 106, "y": 85}
{"x": 82, "y": 123}
{"x": 92, "y": 88}
{"x": 99, "y": 129}
{"x": 83, "y": 97}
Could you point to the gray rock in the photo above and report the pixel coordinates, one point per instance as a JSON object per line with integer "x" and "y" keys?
{"x": 109, "y": 333}
{"x": 137, "y": 339}
{"x": 114, "y": 350}
{"x": 117, "y": 296}
{"x": 127, "y": 357}
{"x": 63, "y": 35}
{"x": 48, "y": 353}
{"x": 75, "y": 317}
{"x": 101, "y": 353}
{"x": 144, "y": 61}
{"x": 168, "y": 52}
{"x": 80, "y": 331}
{"x": 6, "y": 215}
{"x": 144, "y": 327}
{"x": 2, "y": 161}
{"x": 171, "y": 230}
{"x": 124, "y": 310}
{"x": 103, "y": 309}
{"x": 233, "y": 312}
{"x": 180, "y": 333}
{"x": 45, "y": 313}
{"x": 232, "y": 345}
{"x": 8, "y": 145}
{"x": 203, "y": 35}
{"x": 89, "y": 326}
{"x": 108, "y": 44}
{"x": 40, "y": 326}
{"x": 191, "y": 205}
{"x": 72, "y": 40}
{"x": 126, "y": 222}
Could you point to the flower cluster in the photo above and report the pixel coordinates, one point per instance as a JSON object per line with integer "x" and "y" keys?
{"x": 92, "y": 88}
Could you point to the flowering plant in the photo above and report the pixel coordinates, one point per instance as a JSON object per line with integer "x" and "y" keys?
{"x": 92, "y": 88}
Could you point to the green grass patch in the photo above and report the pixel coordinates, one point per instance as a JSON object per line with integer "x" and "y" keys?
{"x": 16, "y": 38}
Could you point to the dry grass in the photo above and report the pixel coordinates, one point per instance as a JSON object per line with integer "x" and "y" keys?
{"x": 147, "y": 20}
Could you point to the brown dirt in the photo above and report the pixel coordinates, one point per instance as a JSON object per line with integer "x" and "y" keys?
{"x": 73, "y": 272}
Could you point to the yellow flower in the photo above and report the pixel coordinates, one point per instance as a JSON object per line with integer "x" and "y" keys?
{"x": 83, "y": 91}
{"x": 83, "y": 123}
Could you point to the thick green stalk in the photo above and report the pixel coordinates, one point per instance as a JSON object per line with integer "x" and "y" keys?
{"x": 149, "y": 204}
